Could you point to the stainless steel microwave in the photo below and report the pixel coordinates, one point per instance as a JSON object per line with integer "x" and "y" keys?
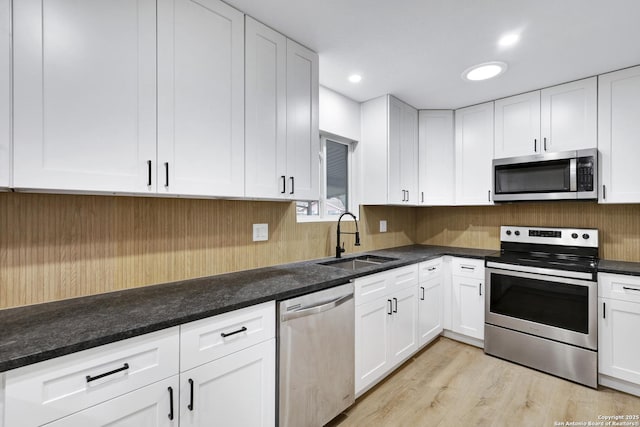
{"x": 568, "y": 175}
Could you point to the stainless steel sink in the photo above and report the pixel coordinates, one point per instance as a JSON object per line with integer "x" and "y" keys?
{"x": 358, "y": 262}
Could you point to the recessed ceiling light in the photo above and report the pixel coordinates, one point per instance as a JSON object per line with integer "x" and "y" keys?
{"x": 509, "y": 39}
{"x": 484, "y": 71}
{"x": 355, "y": 78}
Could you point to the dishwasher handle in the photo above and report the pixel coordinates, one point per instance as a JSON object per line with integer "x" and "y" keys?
{"x": 314, "y": 309}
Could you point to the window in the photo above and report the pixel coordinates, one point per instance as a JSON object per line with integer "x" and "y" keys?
{"x": 335, "y": 182}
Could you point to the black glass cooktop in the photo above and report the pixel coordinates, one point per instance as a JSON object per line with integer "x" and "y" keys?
{"x": 569, "y": 262}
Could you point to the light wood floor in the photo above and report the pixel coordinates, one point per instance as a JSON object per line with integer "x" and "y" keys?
{"x": 454, "y": 384}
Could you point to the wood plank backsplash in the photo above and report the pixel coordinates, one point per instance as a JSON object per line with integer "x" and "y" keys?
{"x": 478, "y": 226}
{"x": 62, "y": 246}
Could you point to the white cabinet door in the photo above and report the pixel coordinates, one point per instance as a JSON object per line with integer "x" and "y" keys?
{"x": 200, "y": 98}
{"x": 155, "y": 405}
{"x": 403, "y": 153}
{"x": 372, "y": 341}
{"x": 569, "y": 116}
{"x": 265, "y": 111}
{"x": 430, "y": 309}
{"x": 436, "y": 154}
{"x": 474, "y": 154}
{"x": 303, "y": 140}
{"x": 5, "y": 93}
{"x": 404, "y": 322}
{"x": 517, "y": 125}
{"x": 468, "y": 306}
{"x": 236, "y": 390}
{"x": 618, "y": 345}
{"x": 85, "y": 95}
{"x": 618, "y": 130}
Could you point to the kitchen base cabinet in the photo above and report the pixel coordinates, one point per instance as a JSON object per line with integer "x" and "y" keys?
{"x": 235, "y": 390}
{"x": 430, "y": 304}
{"x": 155, "y": 405}
{"x": 618, "y": 325}
{"x": 371, "y": 341}
{"x": 386, "y": 328}
{"x": 467, "y": 287}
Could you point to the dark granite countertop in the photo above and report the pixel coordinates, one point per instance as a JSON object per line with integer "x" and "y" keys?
{"x": 619, "y": 267}
{"x": 39, "y": 332}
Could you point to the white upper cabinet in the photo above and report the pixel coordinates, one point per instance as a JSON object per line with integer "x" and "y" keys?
{"x": 266, "y": 111}
{"x": 303, "y": 139}
{"x": 474, "y": 154}
{"x": 517, "y": 126}
{"x": 5, "y": 93}
{"x": 282, "y": 97}
{"x": 618, "y": 130}
{"x": 389, "y": 152}
{"x": 200, "y": 98}
{"x": 85, "y": 95}
{"x": 569, "y": 116}
{"x": 436, "y": 157}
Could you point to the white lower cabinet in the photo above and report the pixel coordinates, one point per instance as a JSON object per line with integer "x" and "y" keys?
{"x": 386, "y": 327}
{"x": 618, "y": 324}
{"x": 430, "y": 301}
{"x": 151, "y": 406}
{"x": 467, "y": 291}
{"x": 236, "y": 390}
{"x": 225, "y": 376}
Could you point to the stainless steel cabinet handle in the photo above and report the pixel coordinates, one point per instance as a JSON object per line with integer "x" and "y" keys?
{"x": 627, "y": 288}
{"x": 314, "y": 309}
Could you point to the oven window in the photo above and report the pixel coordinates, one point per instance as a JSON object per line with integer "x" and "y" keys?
{"x": 542, "y": 177}
{"x": 550, "y": 303}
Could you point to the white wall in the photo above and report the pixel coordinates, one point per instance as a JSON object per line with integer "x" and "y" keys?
{"x": 339, "y": 115}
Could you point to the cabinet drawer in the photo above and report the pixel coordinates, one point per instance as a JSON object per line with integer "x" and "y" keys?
{"x": 403, "y": 277}
{"x": 429, "y": 269}
{"x": 209, "y": 339}
{"x": 45, "y": 391}
{"x": 467, "y": 267}
{"x": 619, "y": 286}
{"x": 370, "y": 288}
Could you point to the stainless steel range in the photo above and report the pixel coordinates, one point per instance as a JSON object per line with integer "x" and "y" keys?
{"x": 541, "y": 301}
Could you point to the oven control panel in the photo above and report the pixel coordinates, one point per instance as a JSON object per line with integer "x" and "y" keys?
{"x": 584, "y": 237}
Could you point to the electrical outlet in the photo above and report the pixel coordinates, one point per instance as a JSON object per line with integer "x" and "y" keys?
{"x": 260, "y": 232}
{"x": 383, "y": 225}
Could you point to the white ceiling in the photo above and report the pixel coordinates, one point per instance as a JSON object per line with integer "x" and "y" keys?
{"x": 417, "y": 49}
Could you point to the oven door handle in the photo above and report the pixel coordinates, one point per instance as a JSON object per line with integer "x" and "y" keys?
{"x": 540, "y": 270}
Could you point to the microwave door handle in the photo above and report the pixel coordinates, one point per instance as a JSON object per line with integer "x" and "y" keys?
{"x": 573, "y": 178}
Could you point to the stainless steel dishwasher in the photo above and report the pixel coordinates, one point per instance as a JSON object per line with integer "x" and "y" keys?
{"x": 316, "y": 357}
